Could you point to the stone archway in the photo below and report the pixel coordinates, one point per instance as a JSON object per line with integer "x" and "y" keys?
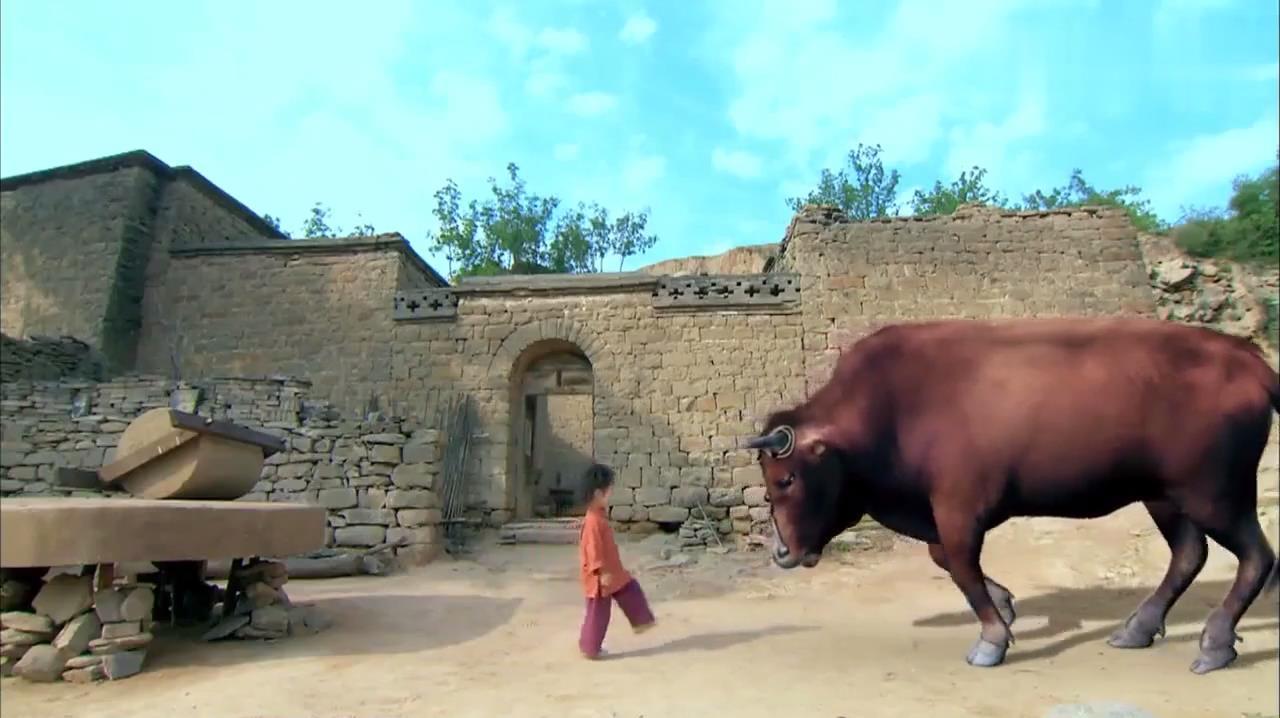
{"x": 549, "y": 371}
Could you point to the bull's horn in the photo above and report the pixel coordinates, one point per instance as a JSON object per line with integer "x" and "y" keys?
{"x": 778, "y": 442}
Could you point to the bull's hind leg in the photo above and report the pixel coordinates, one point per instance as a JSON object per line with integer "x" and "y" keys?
{"x": 1247, "y": 541}
{"x": 1000, "y": 595}
{"x": 1188, "y": 550}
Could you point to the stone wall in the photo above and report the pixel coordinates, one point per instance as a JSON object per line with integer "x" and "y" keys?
{"x": 313, "y": 308}
{"x": 376, "y": 479}
{"x": 674, "y": 391}
{"x": 48, "y": 359}
{"x": 978, "y": 263}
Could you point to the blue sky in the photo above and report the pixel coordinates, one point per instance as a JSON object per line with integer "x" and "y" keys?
{"x": 710, "y": 113}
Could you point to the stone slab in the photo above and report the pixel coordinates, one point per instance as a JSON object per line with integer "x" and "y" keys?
{"x": 79, "y": 531}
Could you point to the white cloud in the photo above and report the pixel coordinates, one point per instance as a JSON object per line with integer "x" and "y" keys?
{"x": 566, "y": 151}
{"x": 638, "y": 29}
{"x": 737, "y": 163}
{"x": 562, "y": 41}
{"x": 993, "y": 146}
{"x": 1205, "y": 166}
{"x": 641, "y": 172}
{"x": 590, "y": 104}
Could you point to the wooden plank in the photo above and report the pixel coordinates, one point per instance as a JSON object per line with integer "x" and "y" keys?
{"x": 167, "y": 442}
{"x": 227, "y": 430}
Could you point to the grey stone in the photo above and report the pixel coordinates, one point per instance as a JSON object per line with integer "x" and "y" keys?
{"x": 107, "y": 605}
{"x": 725, "y": 497}
{"x": 272, "y": 619}
{"x": 754, "y": 496}
{"x": 668, "y": 514}
{"x": 41, "y": 664}
{"x": 138, "y": 604}
{"x": 652, "y": 495}
{"x": 83, "y": 661}
{"x": 411, "y": 536}
{"x": 63, "y": 597}
{"x": 122, "y": 629}
{"x": 14, "y": 650}
{"x": 759, "y": 513}
{"x": 28, "y": 622}
{"x": 226, "y": 627}
{"x": 412, "y": 499}
{"x": 419, "y": 453}
{"x": 337, "y": 498}
{"x": 413, "y": 518}
{"x": 359, "y": 535}
{"x": 74, "y": 637}
{"x": 123, "y": 664}
{"x": 390, "y": 439}
{"x": 14, "y": 637}
{"x": 689, "y": 496}
{"x": 328, "y": 471}
{"x": 373, "y": 517}
{"x": 622, "y": 513}
{"x": 383, "y": 454}
{"x": 88, "y": 674}
{"x": 622, "y": 496}
{"x": 413, "y": 476}
{"x": 103, "y": 646}
{"x": 261, "y": 594}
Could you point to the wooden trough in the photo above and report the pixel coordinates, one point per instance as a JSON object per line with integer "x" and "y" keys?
{"x": 170, "y": 454}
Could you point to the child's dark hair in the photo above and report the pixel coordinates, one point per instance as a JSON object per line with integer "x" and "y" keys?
{"x": 597, "y": 477}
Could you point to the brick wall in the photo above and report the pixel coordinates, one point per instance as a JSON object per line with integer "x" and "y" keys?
{"x": 377, "y": 480}
{"x": 978, "y": 263}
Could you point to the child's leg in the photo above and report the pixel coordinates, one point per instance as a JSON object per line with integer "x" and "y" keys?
{"x": 634, "y": 605}
{"x": 594, "y": 625}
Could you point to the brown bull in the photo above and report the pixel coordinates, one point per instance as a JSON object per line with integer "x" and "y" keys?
{"x": 942, "y": 431}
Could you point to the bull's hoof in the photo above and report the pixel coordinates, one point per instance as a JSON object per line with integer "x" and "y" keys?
{"x": 1211, "y": 659}
{"x": 1135, "y": 634}
{"x": 985, "y": 654}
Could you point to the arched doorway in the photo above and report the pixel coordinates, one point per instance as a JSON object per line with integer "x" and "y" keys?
{"x": 553, "y": 426}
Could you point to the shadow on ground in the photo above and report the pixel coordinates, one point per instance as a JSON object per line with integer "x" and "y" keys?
{"x": 363, "y": 624}
{"x": 1066, "y": 611}
{"x": 712, "y": 641}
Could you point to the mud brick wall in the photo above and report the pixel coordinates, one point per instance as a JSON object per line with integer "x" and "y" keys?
{"x": 673, "y": 393}
{"x": 313, "y": 308}
{"x": 377, "y": 480}
{"x": 48, "y": 359}
{"x": 978, "y": 263}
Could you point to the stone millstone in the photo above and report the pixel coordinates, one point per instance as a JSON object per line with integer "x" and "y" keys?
{"x": 27, "y": 622}
{"x": 64, "y": 597}
{"x": 42, "y": 664}
{"x": 74, "y": 637}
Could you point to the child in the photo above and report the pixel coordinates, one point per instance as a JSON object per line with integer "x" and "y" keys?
{"x": 604, "y": 580}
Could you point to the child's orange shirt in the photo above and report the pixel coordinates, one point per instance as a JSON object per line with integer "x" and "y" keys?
{"x": 598, "y": 554}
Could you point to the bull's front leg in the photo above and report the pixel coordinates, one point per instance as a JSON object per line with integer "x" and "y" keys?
{"x": 961, "y": 540}
{"x": 1002, "y": 596}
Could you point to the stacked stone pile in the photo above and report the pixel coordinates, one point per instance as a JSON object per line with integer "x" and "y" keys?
{"x": 263, "y": 610}
{"x": 74, "y": 633}
{"x": 48, "y": 359}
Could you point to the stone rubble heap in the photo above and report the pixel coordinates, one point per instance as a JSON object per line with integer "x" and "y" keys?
{"x": 263, "y": 610}
{"x": 74, "y": 633}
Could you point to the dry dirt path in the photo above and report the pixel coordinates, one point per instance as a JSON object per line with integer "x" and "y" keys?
{"x": 863, "y": 635}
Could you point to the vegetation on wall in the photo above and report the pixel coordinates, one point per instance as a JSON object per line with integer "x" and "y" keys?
{"x": 516, "y": 231}
{"x": 316, "y": 225}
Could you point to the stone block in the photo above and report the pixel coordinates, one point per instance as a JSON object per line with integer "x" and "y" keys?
{"x": 123, "y": 664}
{"x": 622, "y": 513}
{"x": 42, "y": 664}
{"x": 668, "y": 514}
{"x": 652, "y": 495}
{"x": 412, "y": 499}
{"x": 343, "y": 498}
{"x": 384, "y": 454}
{"x": 137, "y": 604}
{"x": 369, "y": 517}
{"x": 63, "y": 597}
{"x": 413, "y": 518}
{"x": 15, "y": 637}
{"x": 359, "y": 535}
{"x": 748, "y": 476}
{"x": 754, "y": 496}
{"x": 74, "y": 637}
{"x": 27, "y": 622}
{"x": 88, "y": 674}
{"x": 726, "y": 497}
{"x": 413, "y": 476}
{"x": 689, "y": 496}
{"x": 621, "y": 496}
{"x": 759, "y": 513}
{"x": 386, "y": 439}
{"x": 125, "y": 628}
{"x": 413, "y": 536}
{"x": 419, "y": 453}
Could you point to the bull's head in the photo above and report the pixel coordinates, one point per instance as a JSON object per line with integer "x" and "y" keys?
{"x": 805, "y": 487}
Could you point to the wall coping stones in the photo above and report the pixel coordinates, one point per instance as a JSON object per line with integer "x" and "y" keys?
{"x": 144, "y": 160}
{"x": 326, "y": 245}
{"x": 524, "y": 284}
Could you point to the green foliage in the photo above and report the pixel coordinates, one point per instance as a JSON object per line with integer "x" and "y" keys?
{"x": 1079, "y": 193}
{"x": 1248, "y": 232}
{"x": 514, "y": 231}
{"x": 274, "y": 223}
{"x": 945, "y": 199}
{"x": 865, "y": 191}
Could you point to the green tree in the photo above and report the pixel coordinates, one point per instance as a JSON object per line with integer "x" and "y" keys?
{"x": 863, "y": 191}
{"x": 515, "y": 231}
{"x": 1079, "y": 193}
{"x": 969, "y": 188}
{"x": 1248, "y": 231}
{"x": 274, "y": 223}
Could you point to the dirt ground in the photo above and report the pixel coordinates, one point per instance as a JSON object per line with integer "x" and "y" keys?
{"x": 864, "y": 634}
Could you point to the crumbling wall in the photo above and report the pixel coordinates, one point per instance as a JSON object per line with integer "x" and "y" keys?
{"x": 978, "y": 263}
{"x": 48, "y": 359}
{"x": 376, "y": 479}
